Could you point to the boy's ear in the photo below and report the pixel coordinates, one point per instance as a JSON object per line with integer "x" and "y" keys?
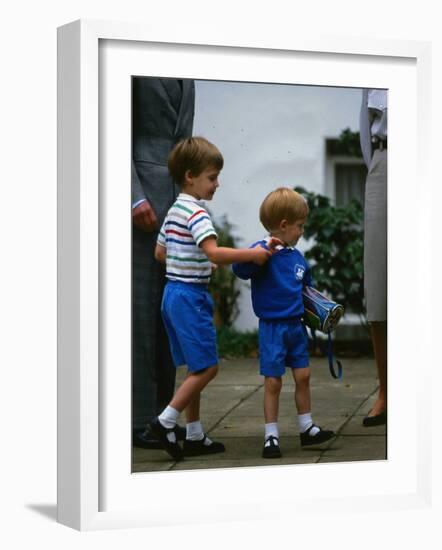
{"x": 188, "y": 176}
{"x": 283, "y": 224}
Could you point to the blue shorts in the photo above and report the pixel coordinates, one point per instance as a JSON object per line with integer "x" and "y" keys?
{"x": 187, "y": 311}
{"x": 282, "y": 344}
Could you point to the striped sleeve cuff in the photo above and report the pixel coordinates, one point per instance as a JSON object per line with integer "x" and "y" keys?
{"x": 201, "y": 227}
{"x": 208, "y": 233}
{"x": 161, "y": 239}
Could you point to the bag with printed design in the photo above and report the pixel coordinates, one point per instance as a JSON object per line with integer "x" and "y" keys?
{"x": 323, "y": 314}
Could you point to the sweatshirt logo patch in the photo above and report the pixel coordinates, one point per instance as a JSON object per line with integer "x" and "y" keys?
{"x": 299, "y": 272}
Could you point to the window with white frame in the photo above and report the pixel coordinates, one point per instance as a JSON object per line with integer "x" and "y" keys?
{"x": 345, "y": 171}
{"x": 349, "y": 182}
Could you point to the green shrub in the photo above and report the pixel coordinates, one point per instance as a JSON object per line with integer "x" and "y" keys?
{"x": 232, "y": 343}
{"x": 336, "y": 257}
{"x": 347, "y": 144}
{"x": 224, "y": 284}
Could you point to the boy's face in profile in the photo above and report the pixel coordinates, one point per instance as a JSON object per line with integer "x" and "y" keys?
{"x": 202, "y": 186}
{"x": 290, "y": 233}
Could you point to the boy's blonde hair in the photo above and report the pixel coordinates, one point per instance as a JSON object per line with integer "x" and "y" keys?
{"x": 282, "y": 204}
{"x": 195, "y": 154}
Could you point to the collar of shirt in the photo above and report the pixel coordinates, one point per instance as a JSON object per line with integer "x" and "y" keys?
{"x": 279, "y": 246}
{"x": 186, "y": 197}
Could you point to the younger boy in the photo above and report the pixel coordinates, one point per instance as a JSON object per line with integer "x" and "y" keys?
{"x": 277, "y": 301}
{"x": 187, "y": 245}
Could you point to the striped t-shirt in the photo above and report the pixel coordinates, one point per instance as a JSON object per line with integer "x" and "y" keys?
{"x": 186, "y": 225}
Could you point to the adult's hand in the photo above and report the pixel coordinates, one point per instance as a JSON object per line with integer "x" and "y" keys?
{"x": 144, "y": 217}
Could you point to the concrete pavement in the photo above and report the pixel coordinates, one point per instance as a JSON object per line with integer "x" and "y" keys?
{"x": 231, "y": 412}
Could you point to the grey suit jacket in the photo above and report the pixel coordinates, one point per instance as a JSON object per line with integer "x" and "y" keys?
{"x": 163, "y": 112}
{"x": 162, "y": 115}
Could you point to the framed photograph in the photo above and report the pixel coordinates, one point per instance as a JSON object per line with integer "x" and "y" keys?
{"x": 99, "y": 482}
{"x": 271, "y": 136}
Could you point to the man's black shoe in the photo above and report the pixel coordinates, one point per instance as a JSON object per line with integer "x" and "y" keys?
{"x": 196, "y": 448}
{"x": 376, "y": 420}
{"x": 167, "y": 437}
{"x": 272, "y": 450}
{"x": 144, "y": 439}
{"x": 320, "y": 437}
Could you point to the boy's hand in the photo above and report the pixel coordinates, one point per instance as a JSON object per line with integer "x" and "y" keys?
{"x": 260, "y": 255}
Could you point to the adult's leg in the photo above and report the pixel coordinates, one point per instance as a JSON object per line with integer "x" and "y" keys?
{"x": 146, "y": 278}
{"x": 165, "y": 369}
{"x": 153, "y": 373}
{"x": 379, "y": 340}
{"x": 375, "y": 272}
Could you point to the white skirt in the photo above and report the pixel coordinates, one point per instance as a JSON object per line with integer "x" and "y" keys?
{"x": 375, "y": 238}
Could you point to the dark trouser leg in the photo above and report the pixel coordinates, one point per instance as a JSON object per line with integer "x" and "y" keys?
{"x": 165, "y": 369}
{"x": 153, "y": 375}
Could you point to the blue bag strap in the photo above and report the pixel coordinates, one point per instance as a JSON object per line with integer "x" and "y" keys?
{"x": 329, "y": 355}
{"x": 330, "y": 360}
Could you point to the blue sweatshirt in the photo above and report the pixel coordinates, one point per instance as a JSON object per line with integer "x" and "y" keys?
{"x": 277, "y": 285}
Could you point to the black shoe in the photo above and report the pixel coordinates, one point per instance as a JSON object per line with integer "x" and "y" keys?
{"x": 172, "y": 447}
{"x": 376, "y": 420}
{"x": 195, "y": 448}
{"x": 320, "y": 437}
{"x": 180, "y": 432}
{"x": 272, "y": 450}
{"x": 144, "y": 439}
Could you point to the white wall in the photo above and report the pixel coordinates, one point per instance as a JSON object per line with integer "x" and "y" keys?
{"x": 270, "y": 135}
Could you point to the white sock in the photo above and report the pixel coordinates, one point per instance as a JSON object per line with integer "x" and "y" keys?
{"x": 169, "y": 417}
{"x": 271, "y": 429}
{"x": 194, "y": 431}
{"x": 305, "y": 422}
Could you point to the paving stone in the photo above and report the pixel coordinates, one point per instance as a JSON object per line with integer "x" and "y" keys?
{"x": 147, "y": 460}
{"x": 232, "y": 412}
{"x": 350, "y": 448}
{"x": 246, "y": 451}
{"x": 355, "y": 427}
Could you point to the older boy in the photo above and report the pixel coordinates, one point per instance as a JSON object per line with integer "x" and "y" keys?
{"x": 277, "y": 301}
{"x": 187, "y": 244}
